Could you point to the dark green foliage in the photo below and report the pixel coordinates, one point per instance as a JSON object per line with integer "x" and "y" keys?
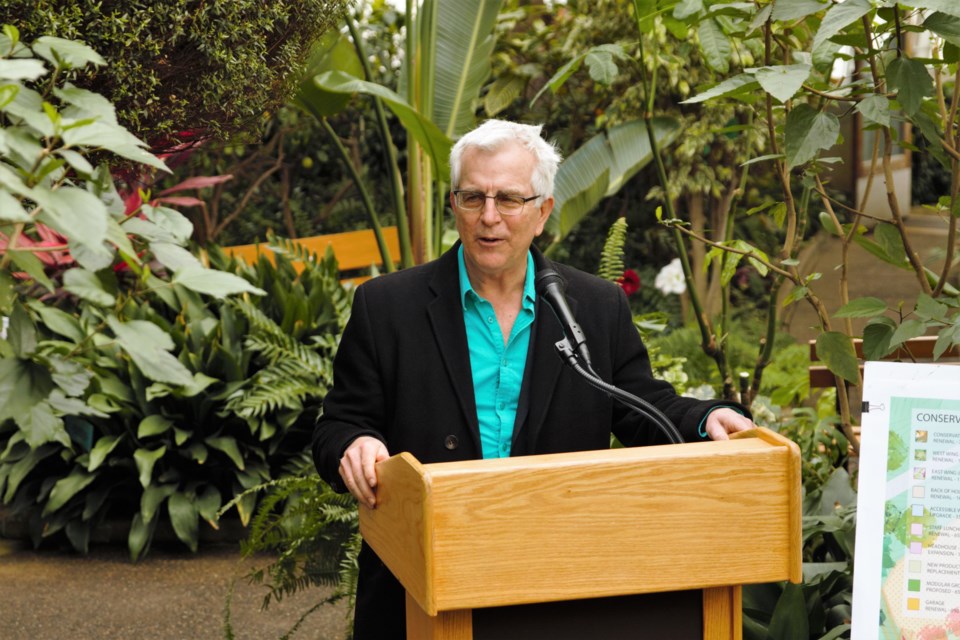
{"x": 177, "y": 65}
{"x": 313, "y": 531}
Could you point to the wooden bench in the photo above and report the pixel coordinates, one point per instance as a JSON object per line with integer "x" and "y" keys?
{"x": 917, "y": 349}
{"x": 355, "y": 251}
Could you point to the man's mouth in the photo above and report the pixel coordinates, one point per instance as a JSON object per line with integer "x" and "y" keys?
{"x": 489, "y": 240}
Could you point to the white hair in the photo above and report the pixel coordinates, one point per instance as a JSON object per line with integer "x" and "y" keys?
{"x": 493, "y": 134}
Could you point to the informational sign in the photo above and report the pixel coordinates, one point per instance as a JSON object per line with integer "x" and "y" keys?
{"x": 907, "y": 565}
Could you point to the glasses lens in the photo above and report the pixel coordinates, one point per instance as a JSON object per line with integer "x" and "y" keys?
{"x": 471, "y": 200}
{"x": 509, "y": 205}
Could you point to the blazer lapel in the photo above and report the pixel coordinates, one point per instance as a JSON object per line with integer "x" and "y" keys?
{"x": 446, "y": 321}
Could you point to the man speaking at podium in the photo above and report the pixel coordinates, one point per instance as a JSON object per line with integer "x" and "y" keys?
{"x": 455, "y": 359}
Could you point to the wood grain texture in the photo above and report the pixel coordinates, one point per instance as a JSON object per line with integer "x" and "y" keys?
{"x": 722, "y": 613}
{"x": 399, "y": 528}
{"x": 447, "y": 625}
{"x": 592, "y": 524}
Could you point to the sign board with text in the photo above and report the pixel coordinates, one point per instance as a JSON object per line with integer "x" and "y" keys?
{"x": 907, "y": 565}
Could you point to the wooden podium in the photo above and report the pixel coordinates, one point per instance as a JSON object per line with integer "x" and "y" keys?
{"x": 639, "y": 539}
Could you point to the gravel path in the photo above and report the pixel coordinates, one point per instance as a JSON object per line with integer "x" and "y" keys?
{"x": 52, "y": 595}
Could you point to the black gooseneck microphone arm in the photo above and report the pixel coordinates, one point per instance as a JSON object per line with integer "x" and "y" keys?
{"x": 549, "y": 286}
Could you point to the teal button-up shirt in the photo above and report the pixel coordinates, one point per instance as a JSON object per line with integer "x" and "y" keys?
{"x": 497, "y": 369}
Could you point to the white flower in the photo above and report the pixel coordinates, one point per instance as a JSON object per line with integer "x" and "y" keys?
{"x": 670, "y": 279}
{"x": 703, "y": 392}
{"x": 4, "y": 323}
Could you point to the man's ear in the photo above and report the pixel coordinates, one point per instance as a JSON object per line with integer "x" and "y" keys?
{"x": 546, "y": 207}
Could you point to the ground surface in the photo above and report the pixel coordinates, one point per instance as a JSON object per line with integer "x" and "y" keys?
{"x": 170, "y": 595}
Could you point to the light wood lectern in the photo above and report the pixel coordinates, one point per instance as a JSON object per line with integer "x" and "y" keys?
{"x": 639, "y": 539}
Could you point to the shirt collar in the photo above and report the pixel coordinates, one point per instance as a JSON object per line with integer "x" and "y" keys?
{"x": 529, "y": 290}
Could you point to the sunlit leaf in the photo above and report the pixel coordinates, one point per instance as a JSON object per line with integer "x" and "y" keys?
{"x": 807, "y": 132}
{"x": 836, "y": 351}
{"x": 865, "y": 307}
{"x": 783, "y": 82}
{"x": 840, "y": 16}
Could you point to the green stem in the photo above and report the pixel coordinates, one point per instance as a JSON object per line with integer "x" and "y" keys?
{"x": 390, "y": 154}
{"x": 708, "y": 339}
{"x": 364, "y": 195}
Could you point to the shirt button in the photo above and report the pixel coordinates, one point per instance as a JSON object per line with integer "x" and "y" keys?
{"x": 503, "y": 362}
{"x": 451, "y": 442}
{"x": 490, "y": 319}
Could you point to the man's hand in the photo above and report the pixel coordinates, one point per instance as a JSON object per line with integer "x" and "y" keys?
{"x": 358, "y": 471}
{"x": 723, "y": 421}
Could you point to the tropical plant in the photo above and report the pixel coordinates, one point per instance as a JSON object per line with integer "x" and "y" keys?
{"x": 799, "y": 97}
{"x": 314, "y": 533}
{"x": 207, "y": 68}
{"x": 128, "y": 380}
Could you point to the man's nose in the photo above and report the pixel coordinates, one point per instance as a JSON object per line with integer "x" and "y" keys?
{"x": 489, "y": 214}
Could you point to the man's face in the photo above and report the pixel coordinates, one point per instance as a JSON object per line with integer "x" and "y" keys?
{"x": 495, "y": 245}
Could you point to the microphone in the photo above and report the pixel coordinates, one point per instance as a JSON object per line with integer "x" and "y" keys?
{"x": 573, "y": 347}
{"x": 549, "y": 286}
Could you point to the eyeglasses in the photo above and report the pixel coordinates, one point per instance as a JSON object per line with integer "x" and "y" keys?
{"x": 507, "y": 205}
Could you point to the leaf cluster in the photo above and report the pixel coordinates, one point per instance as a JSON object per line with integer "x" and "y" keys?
{"x": 123, "y": 353}
{"x": 186, "y": 65}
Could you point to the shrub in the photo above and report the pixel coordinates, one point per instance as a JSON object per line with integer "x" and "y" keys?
{"x": 186, "y": 64}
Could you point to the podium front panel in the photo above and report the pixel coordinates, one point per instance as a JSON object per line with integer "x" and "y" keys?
{"x": 677, "y": 615}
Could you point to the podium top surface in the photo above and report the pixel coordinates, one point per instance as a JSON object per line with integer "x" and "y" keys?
{"x": 566, "y": 526}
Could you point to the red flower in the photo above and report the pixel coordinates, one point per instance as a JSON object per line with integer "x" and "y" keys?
{"x": 629, "y": 282}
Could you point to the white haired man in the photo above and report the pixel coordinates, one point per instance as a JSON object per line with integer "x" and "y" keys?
{"x": 454, "y": 359}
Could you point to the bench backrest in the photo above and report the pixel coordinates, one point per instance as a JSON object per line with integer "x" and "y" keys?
{"x": 355, "y": 250}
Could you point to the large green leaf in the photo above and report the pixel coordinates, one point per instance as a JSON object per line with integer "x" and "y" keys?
{"x": 229, "y": 446}
{"x": 219, "y": 284}
{"x": 951, "y": 7}
{"x": 433, "y": 141}
{"x": 715, "y": 45}
{"x": 783, "y": 82}
{"x": 141, "y": 532}
{"x": 23, "y": 385}
{"x": 840, "y": 16}
{"x": 76, "y": 213}
{"x": 333, "y": 52}
{"x": 154, "y": 425}
{"x": 789, "y": 620}
{"x": 601, "y": 167}
{"x": 462, "y": 48}
{"x": 100, "y": 451}
{"x": 807, "y": 132}
{"x": 66, "y": 53}
{"x": 184, "y": 518}
{"x": 911, "y": 81}
{"x": 875, "y": 109}
{"x": 793, "y": 9}
{"x": 908, "y": 330}
{"x": 865, "y": 307}
{"x": 145, "y": 460}
{"x": 19, "y": 469}
{"x": 836, "y": 350}
{"x": 148, "y": 346}
{"x": 87, "y": 286}
{"x": 103, "y": 135}
{"x": 153, "y": 496}
{"x": 66, "y": 488}
{"x": 945, "y": 26}
{"x": 737, "y": 85}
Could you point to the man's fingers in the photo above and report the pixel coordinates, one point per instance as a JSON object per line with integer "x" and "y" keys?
{"x": 358, "y": 468}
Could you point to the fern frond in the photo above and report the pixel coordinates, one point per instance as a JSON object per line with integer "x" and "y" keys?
{"x": 611, "y": 260}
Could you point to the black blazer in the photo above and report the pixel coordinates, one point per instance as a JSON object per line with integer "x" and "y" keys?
{"x": 402, "y": 374}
